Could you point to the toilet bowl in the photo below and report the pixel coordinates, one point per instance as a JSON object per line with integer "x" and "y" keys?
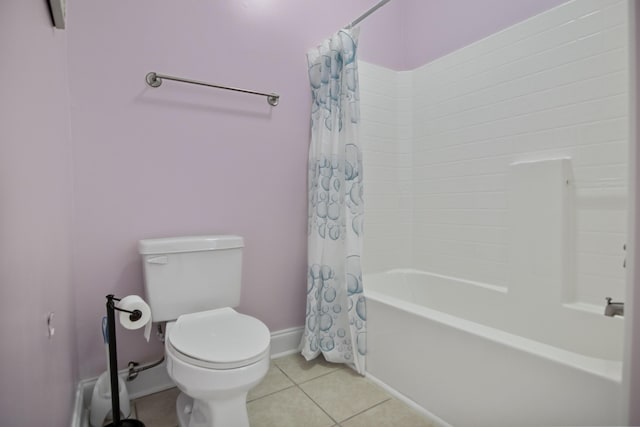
{"x": 215, "y": 357}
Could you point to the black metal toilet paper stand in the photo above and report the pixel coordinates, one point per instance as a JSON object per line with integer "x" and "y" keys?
{"x": 134, "y": 316}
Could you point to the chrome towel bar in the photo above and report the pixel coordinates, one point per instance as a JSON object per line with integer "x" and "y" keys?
{"x": 155, "y": 80}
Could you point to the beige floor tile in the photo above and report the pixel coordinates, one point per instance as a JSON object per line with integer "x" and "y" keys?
{"x": 299, "y": 370}
{"x": 391, "y": 413}
{"x": 344, "y": 393}
{"x": 158, "y": 409}
{"x": 274, "y": 381}
{"x": 287, "y": 408}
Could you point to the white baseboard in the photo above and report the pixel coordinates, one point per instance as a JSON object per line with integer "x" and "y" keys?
{"x": 434, "y": 419}
{"x": 157, "y": 379}
{"x": 76, "y": 417}
{"x": 286, "y": 341}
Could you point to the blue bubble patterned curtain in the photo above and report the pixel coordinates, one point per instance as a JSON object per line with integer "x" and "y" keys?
{"x": 336, "y": 312}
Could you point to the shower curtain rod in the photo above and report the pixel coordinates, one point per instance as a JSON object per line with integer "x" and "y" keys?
{"x": 366, "y": 14}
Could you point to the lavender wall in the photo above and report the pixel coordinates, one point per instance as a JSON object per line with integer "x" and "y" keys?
{"x": 184, "y": 159}
{"x": 37, "y": 374}
{"x": 433, "y": 28}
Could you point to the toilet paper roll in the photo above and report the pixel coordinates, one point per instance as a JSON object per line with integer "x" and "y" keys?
{"x": 131, "y": 303}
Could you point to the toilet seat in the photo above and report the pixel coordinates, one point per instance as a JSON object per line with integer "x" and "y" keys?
{"x": 219, "y": 339}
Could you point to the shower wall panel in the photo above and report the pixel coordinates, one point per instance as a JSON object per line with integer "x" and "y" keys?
{"x": 386, "y": 134}
{"x": 553, "y": 86}
{"x": 438, "y": 142}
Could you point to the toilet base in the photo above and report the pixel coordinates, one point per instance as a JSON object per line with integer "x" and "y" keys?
{"x": 226, "y": 413}
{"x": 184, "y": 404}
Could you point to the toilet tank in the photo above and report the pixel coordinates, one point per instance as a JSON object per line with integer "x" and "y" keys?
{"x": 190, "y": 274}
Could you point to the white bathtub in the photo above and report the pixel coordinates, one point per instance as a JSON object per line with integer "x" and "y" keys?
{"x": 465, "y": 354}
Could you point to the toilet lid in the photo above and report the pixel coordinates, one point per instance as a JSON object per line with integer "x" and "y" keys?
{"x": 220, "y": 337}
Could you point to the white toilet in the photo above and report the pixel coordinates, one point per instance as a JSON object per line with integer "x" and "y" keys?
{"x": 214, "y": 354}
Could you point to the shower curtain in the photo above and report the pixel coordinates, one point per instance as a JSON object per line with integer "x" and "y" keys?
{"x": 336, "y": 310}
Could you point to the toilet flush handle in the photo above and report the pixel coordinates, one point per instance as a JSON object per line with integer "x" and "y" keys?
{"x": 163, "y": 259}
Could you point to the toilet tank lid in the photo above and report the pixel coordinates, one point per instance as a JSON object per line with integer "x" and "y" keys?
{"x": 189, "y": 244}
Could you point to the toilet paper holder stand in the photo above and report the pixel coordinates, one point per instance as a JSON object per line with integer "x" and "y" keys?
{"x": 134, "y": 316}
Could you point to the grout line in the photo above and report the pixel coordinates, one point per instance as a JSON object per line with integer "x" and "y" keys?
{"x": 310, "y": 379}
{"x": 319, "y": 376}
{"x": 371, "y": 407}
{"x": 506, "y": 138}
{"x": 336, "y": 423}
{"x": 337, "y": 369}
{"x": 297, "y": 385}
{"x": 511, "y": 154}
{"x": 322, "y": 375}
{"x": 463, "y": 62}
{"x": 318, "y": 405}
{"x": 493, "y": 68}
{"x": 510, "y": 98}
{"x": 282, "y": 370}
{"x": 293, "y": 384}
{"x": 272, "y": 393}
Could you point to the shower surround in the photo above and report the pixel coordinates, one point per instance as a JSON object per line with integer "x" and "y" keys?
{"x": 496, "y": 189}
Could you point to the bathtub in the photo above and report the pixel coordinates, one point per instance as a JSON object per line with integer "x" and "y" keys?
{"x": 469, "y": 355}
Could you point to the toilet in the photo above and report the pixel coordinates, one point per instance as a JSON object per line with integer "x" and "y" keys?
{"x": 214, "y": 354}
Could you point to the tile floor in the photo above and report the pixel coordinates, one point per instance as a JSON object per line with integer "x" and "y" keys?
{"x": 297, "y": 393}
